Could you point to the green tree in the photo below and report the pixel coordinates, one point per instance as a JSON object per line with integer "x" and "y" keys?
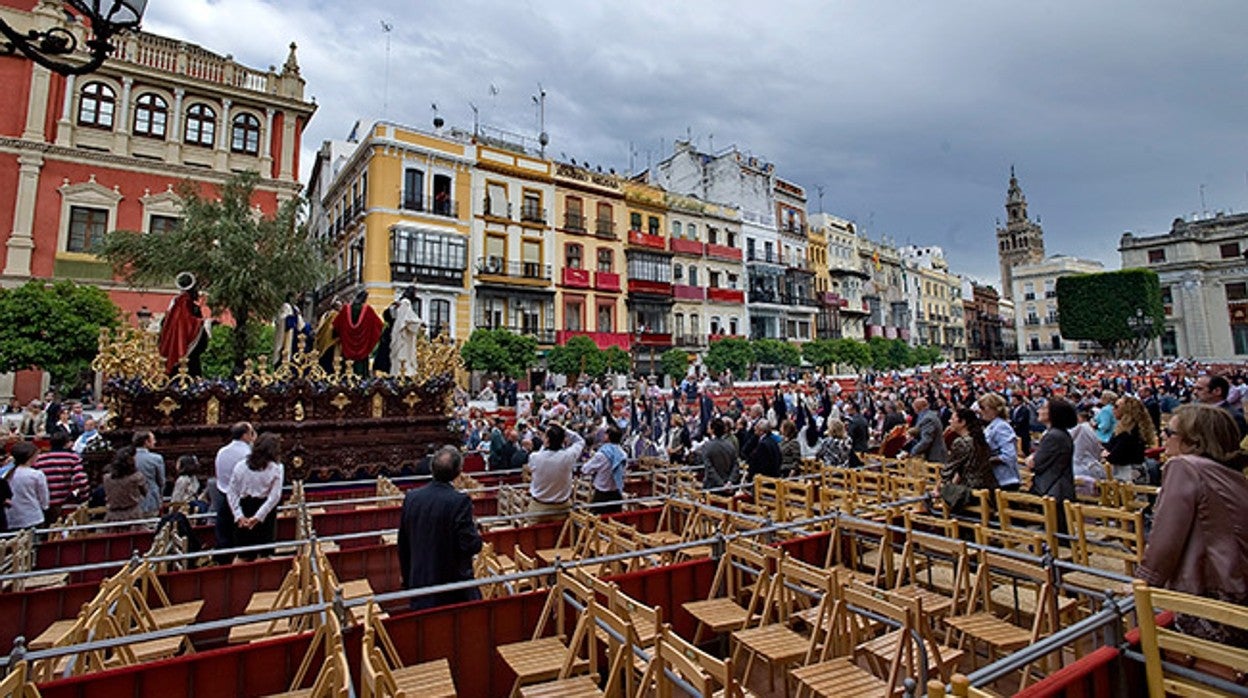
{"x": 54, "y": 328}
{"x": 853, "y": 353}
{"x": 218, "y": 360}
{"x": 899, "y": 354}
{"x": 776, "y": 352}
{"x": 1120, "y": 310}
{"x": 731, "y": 353}
{"x": 246, "y": 264}
{"x": 822, "y": 353}
{"x": 500, "y": 352}
{"x": 616, "y": 360}
{"x": 674, "y": 363}
{"x": 578, "y": 356}
{"x": 927, "y": 355}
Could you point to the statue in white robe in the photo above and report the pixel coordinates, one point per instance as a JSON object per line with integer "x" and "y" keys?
{"x": 407, "y": 327}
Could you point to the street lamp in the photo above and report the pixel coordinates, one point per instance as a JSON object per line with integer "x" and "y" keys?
{"x": 106, "y": 19}
{"x": 1142, "y": 326}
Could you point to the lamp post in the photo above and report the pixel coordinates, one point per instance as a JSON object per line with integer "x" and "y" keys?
{"x": 106, "y": 19}
{"x": 1142, "y": 326}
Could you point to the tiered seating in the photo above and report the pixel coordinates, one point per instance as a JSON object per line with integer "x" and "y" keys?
{"x": 544, "y": 658}
{"x": 333, "y": 679}
{"x": 742, "y": 592}
{"x": 119, "y": 609}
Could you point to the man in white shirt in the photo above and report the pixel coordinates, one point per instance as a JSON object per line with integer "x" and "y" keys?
{"x": 242, "y": 436}
{"x": 552, "y": 468}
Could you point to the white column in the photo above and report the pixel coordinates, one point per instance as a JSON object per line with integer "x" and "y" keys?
{"x": 286, "y": 172}
{"x": 37, "y": 103}
{"x": 173, "y": 151}
{"x": 266, "y": 145}
{"x": 121, "y": 124}
{"x": 21, "y": 243}
{"x": 65, "y": 126}
{"x": 223, "y": 136}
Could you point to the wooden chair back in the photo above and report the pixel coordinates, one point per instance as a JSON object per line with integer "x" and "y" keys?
{"x": 925, "y": 553}
{"x": 708, "y": 675}
{"x": 797, "y": 498}
{"x": 856, "y": 613}
{"x": 1019, "y": 510}
{"x": 1154, "y": 639}
{"x": 1022, "y": 577}
{"x": 866, "y": 548}
{"x": 1102, "y": 533}
{"x": 1028, "y": 542}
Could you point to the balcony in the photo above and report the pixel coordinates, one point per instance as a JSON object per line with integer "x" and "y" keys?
{"x": 574, "y": 222}
{"x": 1029, "y": 296}
{"x": 604, "y": 340}
{"x": 1031, "y": 321}
{"x": 797, "y": 229}
{"x": 653, "y": 288}
{"x": 502, "y": 210}
{"x": 795, "y": 261}
{"x": 725, "y": 295}
{"x": 798, "y": 299}
{"x": 605, "y": 228}
{"x": 1050, "y": 294}
{"x": 606, "y": 281}
{"x": 833, "y": 300}
{"x": 543, "y": 336}
{"x": 688, "y": 293}
{"x": 712, "y": 338}
{"x": 409, "y": 272}
{"x": 340, "y": 283}
{"x": 495, "y": 266}
{"x": 640, "y": 239}
{"x": 757, "y": 256}
{"x": 653, "y": 339}
{"x": 690, "y": 340}
{"x": 530, "y": 213}
{"x": 764, "y": 296}
{"x": 732, "y": 254}
{"x": 693, "y": 247}
{"x": 575, "y": 278}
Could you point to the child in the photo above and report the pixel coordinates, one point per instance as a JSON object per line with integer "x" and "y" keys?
{"x": 187, "y": 488}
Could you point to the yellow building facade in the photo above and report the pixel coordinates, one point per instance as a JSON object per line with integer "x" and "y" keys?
{"x": 407, "y": 222}
{"x": 589, "y": 247}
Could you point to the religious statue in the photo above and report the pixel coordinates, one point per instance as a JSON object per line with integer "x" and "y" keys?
{"x": 326, "y": 339}
{"x": 403, "y": 335}
{"x": 184, "y": 332}
{"x": 358, "y": 329}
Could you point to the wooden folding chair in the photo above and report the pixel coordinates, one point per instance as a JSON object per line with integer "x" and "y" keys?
{"x": 383, "y": 675}
{"x": 935, "y": 570}
{"x": 797, "y": 499}
{"x": 620, "y": 639}
{"x": 1205, "y": 656}
{"x": 17, "y": 683}
{"x": 1005, "y": 632}
{"x": 854, "y": 617}
{"x": 1108, "y": 538}
{"x": 333, "y": 679}
{"x": 1019, "y": 510}
{"x": 777, "y": 645}
{"x": 941, "y": 659}
{"x": 542, "y": 658}
{"x": 865, "y": 549}
{"x": 722, "y": 610}
{"x": 708, "y": 676}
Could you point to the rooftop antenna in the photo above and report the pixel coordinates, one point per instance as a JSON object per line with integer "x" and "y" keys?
{"x": 632, "y": 157}
{"x": 710, "y": 143}
{"x": 476, "y": 120}
{"x": 542, "y": 137}
{"x": 1204, "y": 210}
{"x": 437, "y": 120}
{"x": 386, "y": 28}
{"x": 819, "y": 192}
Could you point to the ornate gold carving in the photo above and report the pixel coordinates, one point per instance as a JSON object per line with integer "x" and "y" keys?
{"x": 411, "y": 399}
{"x": 379, "y": 406}
{"x": 299, "y": 411}
{"x": 256, "y": 403}
{"x": 212, "y": 412}
{"x": 167, "y": 406}
{"x": 340, "y": 401}
{"x": 130, "y": 353}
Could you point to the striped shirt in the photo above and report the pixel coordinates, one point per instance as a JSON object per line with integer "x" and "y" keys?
{"x": 64, "y": 472}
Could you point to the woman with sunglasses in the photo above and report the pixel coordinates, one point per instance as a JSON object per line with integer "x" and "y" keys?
{"x": 1199, "y": 541}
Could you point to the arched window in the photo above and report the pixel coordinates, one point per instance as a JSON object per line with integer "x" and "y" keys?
{"x": 151, "y": 114}
{"x": 693, "y": 275}
{"x": 245, "y": 134}
{"x": 678, "y": 273}
{"x": 606, "y": 260}
{"x": 201, "y": 125}
{"x": 97, "y": 105}
{"x": 575, "y": 254}
{"x": 692, "y": 231}
{"x": 676, "y": 229}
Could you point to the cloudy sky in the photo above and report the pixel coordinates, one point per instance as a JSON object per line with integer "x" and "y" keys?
{"x": 1118, "y": 114}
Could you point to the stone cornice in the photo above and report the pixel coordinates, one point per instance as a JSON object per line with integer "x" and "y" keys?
{"x": 20, "y": 147}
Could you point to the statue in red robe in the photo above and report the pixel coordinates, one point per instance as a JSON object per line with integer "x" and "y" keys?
{"x": 183, "y": 333}
{"x": 359, "y": 329}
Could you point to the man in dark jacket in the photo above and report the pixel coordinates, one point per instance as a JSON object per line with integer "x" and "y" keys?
{"x": 1020, "y": 419}
{"x": 720, "y": 455}
{"x": 437, "y": 535}
{"x": 765, "y": 459}
{"x": 857, "y": 429}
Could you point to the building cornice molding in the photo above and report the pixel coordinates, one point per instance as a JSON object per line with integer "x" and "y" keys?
{"x": 21, "y": 147}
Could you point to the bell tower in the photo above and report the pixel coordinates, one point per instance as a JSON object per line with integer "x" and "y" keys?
{"x": 1021, "y": 240}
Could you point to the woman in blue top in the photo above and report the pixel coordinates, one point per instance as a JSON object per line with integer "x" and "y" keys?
{"x": 1001, "y": 446}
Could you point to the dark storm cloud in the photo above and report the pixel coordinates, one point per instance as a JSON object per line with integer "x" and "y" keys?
{"x": 909, "y": 114}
